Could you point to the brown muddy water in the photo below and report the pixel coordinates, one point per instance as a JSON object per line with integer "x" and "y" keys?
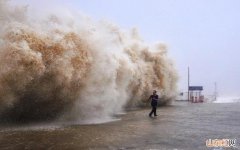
{"x": 181, "y": 126}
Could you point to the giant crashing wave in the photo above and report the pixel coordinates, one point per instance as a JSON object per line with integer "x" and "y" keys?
{"x": 72, "y": 68}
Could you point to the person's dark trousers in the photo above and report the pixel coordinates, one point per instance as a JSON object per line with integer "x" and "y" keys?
{"x": 154, "y": 110}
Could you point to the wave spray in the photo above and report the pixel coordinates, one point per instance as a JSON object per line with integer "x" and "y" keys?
{"x": 75, "y": 69}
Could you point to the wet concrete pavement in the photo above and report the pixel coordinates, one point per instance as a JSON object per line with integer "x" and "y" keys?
{"x": 181, "y": 126}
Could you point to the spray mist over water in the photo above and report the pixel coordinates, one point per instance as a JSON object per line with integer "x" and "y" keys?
{"x": 75, "y": 69}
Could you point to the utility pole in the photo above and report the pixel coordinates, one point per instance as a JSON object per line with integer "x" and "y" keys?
{"x": 188, "y": 81}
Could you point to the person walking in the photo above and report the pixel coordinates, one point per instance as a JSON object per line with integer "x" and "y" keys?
{"x": 154, "y": 101}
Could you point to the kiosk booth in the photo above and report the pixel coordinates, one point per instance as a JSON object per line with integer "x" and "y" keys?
{"x": 195, "y": 95}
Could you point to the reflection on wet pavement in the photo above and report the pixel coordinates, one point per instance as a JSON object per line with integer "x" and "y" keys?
{"x": 181, "y": 126}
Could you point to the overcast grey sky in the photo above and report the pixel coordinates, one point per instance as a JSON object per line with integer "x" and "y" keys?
{"x": 201, "y": 34}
